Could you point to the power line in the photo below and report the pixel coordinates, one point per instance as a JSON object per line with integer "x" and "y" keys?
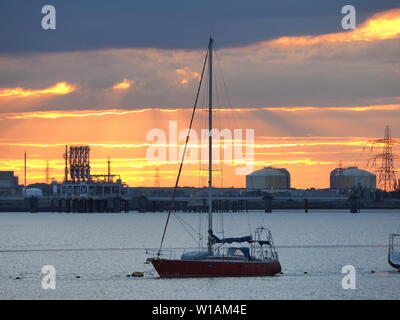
{"x": 383, "y": 163}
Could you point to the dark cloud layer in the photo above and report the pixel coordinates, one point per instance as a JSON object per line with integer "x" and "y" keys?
{"x": 343, "y": 74}
{"x": 99, "y": 24}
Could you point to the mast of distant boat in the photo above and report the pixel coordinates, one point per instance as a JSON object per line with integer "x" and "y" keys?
{"x": 210, "y": 231}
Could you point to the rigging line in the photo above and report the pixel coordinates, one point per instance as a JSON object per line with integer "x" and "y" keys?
{"x": 361, "y": 153}
{"x": 221, "y": 151}
{"x": 229, "y": 101}
{"x": 216, "y": 145}
{"x": 203, "y": 120}
{"x": 226, "y": 91}
{"x": 297, "y": 246}
{"x": 183, "y": 155}
{"x": 202, "y": 167}
{"x": 200, "y": 238}
{"x": 232, "y": 113}
{"x": 200, "y": 119}
{"x": 205, "y": 150}
{"x": 183, "y": 222}
{"x": 220, "y": 120}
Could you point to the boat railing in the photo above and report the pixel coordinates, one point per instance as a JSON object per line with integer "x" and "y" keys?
{"x": 392, "y": 239}
{"x": 168, "y": 253}
{"x": 264, "y": 252}
{"x": 263, "y": 246}
{"x": 393, "y": 254}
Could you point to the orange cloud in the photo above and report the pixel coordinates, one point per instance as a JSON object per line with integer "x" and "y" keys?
{"x": 125, "y": 84}
{"x": 381, "y": 26}
{"x": 187, "y": 75}
{"x": 59, "y": 88}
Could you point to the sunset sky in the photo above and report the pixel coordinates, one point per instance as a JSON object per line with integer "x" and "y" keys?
{"x": 314, "y": 94}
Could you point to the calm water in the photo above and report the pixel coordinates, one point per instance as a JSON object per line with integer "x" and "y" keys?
{"x": 103, "y": 248}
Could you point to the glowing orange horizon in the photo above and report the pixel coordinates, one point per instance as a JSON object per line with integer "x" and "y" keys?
{"x": 140, "y": 172}
{"x": 107, "y": 112}
{"x": 361, "y": 142}
{"x": 136, "y": 170}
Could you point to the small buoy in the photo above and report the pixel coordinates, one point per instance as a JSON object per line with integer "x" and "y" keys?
{"x": 305, "y": 272}
{"x": 137, "y": 274}
{"x": 372, "y": 271}
{"x": 128, "y": 275}
{"x": 78, "y": 277}
{"x": 17, "y": 278}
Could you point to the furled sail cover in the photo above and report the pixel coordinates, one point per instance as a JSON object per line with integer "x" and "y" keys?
{"x": 231, "y": 240}
{"x": 194, "y": 255}
{"x": 235, "y": 251}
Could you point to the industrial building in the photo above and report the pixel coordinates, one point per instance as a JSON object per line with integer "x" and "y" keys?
{"x": 352, "y": 177}
{"x": 9, "y": 184}
{"x": 269, "y": 178}
{"x": 82, "y": 191}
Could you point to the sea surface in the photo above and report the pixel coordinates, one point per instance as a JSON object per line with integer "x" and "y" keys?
{"x": 93, "y": 253}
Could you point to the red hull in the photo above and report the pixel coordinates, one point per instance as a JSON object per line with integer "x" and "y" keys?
{"x": 214, "y": 268}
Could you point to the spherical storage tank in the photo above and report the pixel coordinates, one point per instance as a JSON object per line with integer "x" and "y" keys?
{"x": 347, "y": 178}
{"x": 33, "y": 192}
{"x": 269, "y": 178}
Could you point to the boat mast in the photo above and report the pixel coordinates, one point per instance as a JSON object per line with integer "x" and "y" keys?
{"x": 210, "y": 231}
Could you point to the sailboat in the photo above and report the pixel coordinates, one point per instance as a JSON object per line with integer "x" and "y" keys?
{"x": 257, "y": 258}
{"x": 393, "y": 255}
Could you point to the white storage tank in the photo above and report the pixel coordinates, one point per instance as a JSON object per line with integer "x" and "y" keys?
{"x": 350, "y": 177}
{"x": 269, "y": 178}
